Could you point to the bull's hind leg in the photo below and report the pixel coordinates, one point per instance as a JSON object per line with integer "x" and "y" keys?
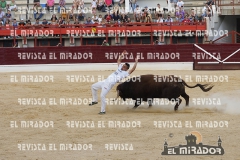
{"x": 137, "y": 103}
{"x": 186, "y": 97}
{"x": 178, "y": 102}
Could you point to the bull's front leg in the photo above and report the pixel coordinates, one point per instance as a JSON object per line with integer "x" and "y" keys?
{"x": 178, "y": 102}
{"x": 137, "y": 103}
{"x": 150, "y": 101}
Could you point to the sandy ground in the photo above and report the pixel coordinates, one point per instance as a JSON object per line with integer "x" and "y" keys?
{"x": 147, "y": 140}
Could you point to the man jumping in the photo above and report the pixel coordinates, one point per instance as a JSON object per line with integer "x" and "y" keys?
{"x": 107, "y": 84}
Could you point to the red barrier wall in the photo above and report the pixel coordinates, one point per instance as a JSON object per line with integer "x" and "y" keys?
{"x": 110, "y": 54}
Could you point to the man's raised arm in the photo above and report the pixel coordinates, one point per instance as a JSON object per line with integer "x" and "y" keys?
{"x": 134, "y": 66}
{"x": 121, "y": 57}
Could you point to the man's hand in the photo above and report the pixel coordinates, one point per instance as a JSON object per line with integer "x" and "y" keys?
{"x": 121, "y": 57}
{"x": 125, "y": 52}
{"x": 134, "y": 67}
{"x": 136, "y": 60}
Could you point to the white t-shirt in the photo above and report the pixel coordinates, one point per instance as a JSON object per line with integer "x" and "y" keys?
{"x": 116, "y": 76}
{"x": 94, "y": 4}
{"x": 180, "y": 4}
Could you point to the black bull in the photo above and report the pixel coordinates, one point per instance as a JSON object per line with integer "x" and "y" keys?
{"x": 148, "y": 87}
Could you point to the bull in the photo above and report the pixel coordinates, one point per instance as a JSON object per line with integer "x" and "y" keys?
{"x": 148, "y": 87}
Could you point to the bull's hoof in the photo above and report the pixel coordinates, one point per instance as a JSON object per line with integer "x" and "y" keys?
{"x": 175, "y": 109}
{"x": 150, "y": 106}
{"x": 134, "y": 107}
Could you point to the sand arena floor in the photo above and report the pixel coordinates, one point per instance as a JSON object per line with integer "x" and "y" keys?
{"x": 147, "y": 140}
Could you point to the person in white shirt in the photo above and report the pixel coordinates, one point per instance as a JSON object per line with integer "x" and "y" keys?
{"x": 160, "y": 19}
{"x": 94, "y": 4}
{"x": 159, "y": 10}
{"x": 106, "y": 85}
{"x": 180, "y": 3}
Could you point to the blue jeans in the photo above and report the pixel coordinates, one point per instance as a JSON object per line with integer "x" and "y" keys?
{"x": 133, "y": 5}
{"x": 39, "y": 15}
{"x": 59, "y": 7}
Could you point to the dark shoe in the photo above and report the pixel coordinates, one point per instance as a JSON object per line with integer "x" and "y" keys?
{"x": 102, "y": 113}
{"x": 93, "y": 103}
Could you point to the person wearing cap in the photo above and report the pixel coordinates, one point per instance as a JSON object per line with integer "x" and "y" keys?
{"x": 105, "y": 43}
{"x": 137, "y": 12}
{"x": 107, "y": 84}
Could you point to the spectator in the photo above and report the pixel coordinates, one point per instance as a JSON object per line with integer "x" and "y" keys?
{"x": 61, "y": 5}
{"x": 133, "y": 4}
{"x": 108, "y": 17}
{"x": 121, "y": 2}
{"x": 21, "y": 23}
{"x": 81, "y": 4}
{"x": 44, "y": 22}
{"x": 59, "y": 45}
{"x": 3, "y": 4}
{"x": 68, "y": 22}
{"x": 160, "y": 19}
{"x": 60, "y": 21}
{"x": 179, "y": 18}
{"x": 159, "y": 10}
{"x": 100, "y": 5}
{"x": 80, "y": 16}
{"x": 54, "y": 19}
{"x": 180, "y": 4}
{"x": 204, "y": 10}
{"x": 37, "y": 10}
{"x": 14, "y": 23}
{"x": 123, "y": 18}
{"x": 16, "y": 45}
{"x": 71, "y": 15}
{"x": 105, "y": 43}
{"x": 12, "y": 6}
{"x": 180, "y": 11}
{"x": 137, "y": 13}
{"x": 63, "y": 14}
{"x": 50, "y": 3}
{"x": 89, "y": 21}
{"x": 37, "y": 22}
{"x": 100, "y": 19}
{"x": 138, "y": 19}
{"x": 8, "y": 16}
{"x": 95, "y": 17}
{"x": 2, "y": 16}
{"x": 7, "y": 24}
{"x": 129, "y": 20}
{"x": 186, "y": 20}
{"x": 210, "y": 2}
{"x": 94, "y": 6}
{"x": 75, "y": 4}
{"x": 148, "y": 19}
{"x": 145, "y": 13}
{"x": 169, "y": 19}
{"x": 115, "y": 16}
{"x": 76, "y": 21}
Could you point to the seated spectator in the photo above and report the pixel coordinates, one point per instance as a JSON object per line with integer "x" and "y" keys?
{"x": 210, "y": 2}
{"x": 21, "y": 23}
{"x": 2, "y": 15}
{"x": 3, "y": 4}
{"x": 124, "y": 18}
{"x": 14, "y": 23}
{"x": 68, "y": 22}
{"x": 180, "y": 11}
{"x": 105, "y": 43}
{"x": 95, "y": 17}
{"x": 81, "y": 4}
{"x": 108, "y": 17}
{"x": 76, "y": 22}
{"x": 133, "y": 4}
{"x": 7, "y": 24}
{"x": 145, "y": 13}
{"x": 89, "y": 21}
{"x": 75, "y": 4}
{"x": 62, "y": 4}
{"x": 160, "y": 19}
{"x": 179, "y": 18}
{"x": 12, "y": 6}
{"x": 148, "y": 19}
{"x": 50, "y": 3}
{"x": 129, "y": 20}
{"x": 169, "y": 19}
{"x": 54, "y": 19}
{"x": 37, "y": 10}
{"x": 137, "y": 12}
{"x": 138, "y": 19}
{"x": 37, "y": 22}
{"x": 121, "y": 2}
{"x": 44, "y": 22}
{"x": 115, "y": 16}
{"x": 94, "y": 6}
{"x": 100, "y": 5}
{"x": 186, "y": 20}
{"x": 209, "y": 13}
{"x": 180, "y": 4}
{"x": 159, "y": 10}
{"x": 100, "y": 19}
{"x": 63, "y": 14}
{"x": 71, "y": 15}
{"x": 60, "y": 21}
{"x": 8, "y": 16}
{"x": 80, "y": 16}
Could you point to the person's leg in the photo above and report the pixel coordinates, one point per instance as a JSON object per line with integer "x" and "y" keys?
{"x": 40, "y": 16}
{"x": 94, "y": 88}
{"x": 35, "y": 15}
{"x": 104, "y": 92}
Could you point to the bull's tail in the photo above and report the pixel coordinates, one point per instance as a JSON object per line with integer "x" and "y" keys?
{"x": 204, "y": 87}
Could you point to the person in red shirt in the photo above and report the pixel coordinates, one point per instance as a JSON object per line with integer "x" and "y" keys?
{"x": 186, "y": 20}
